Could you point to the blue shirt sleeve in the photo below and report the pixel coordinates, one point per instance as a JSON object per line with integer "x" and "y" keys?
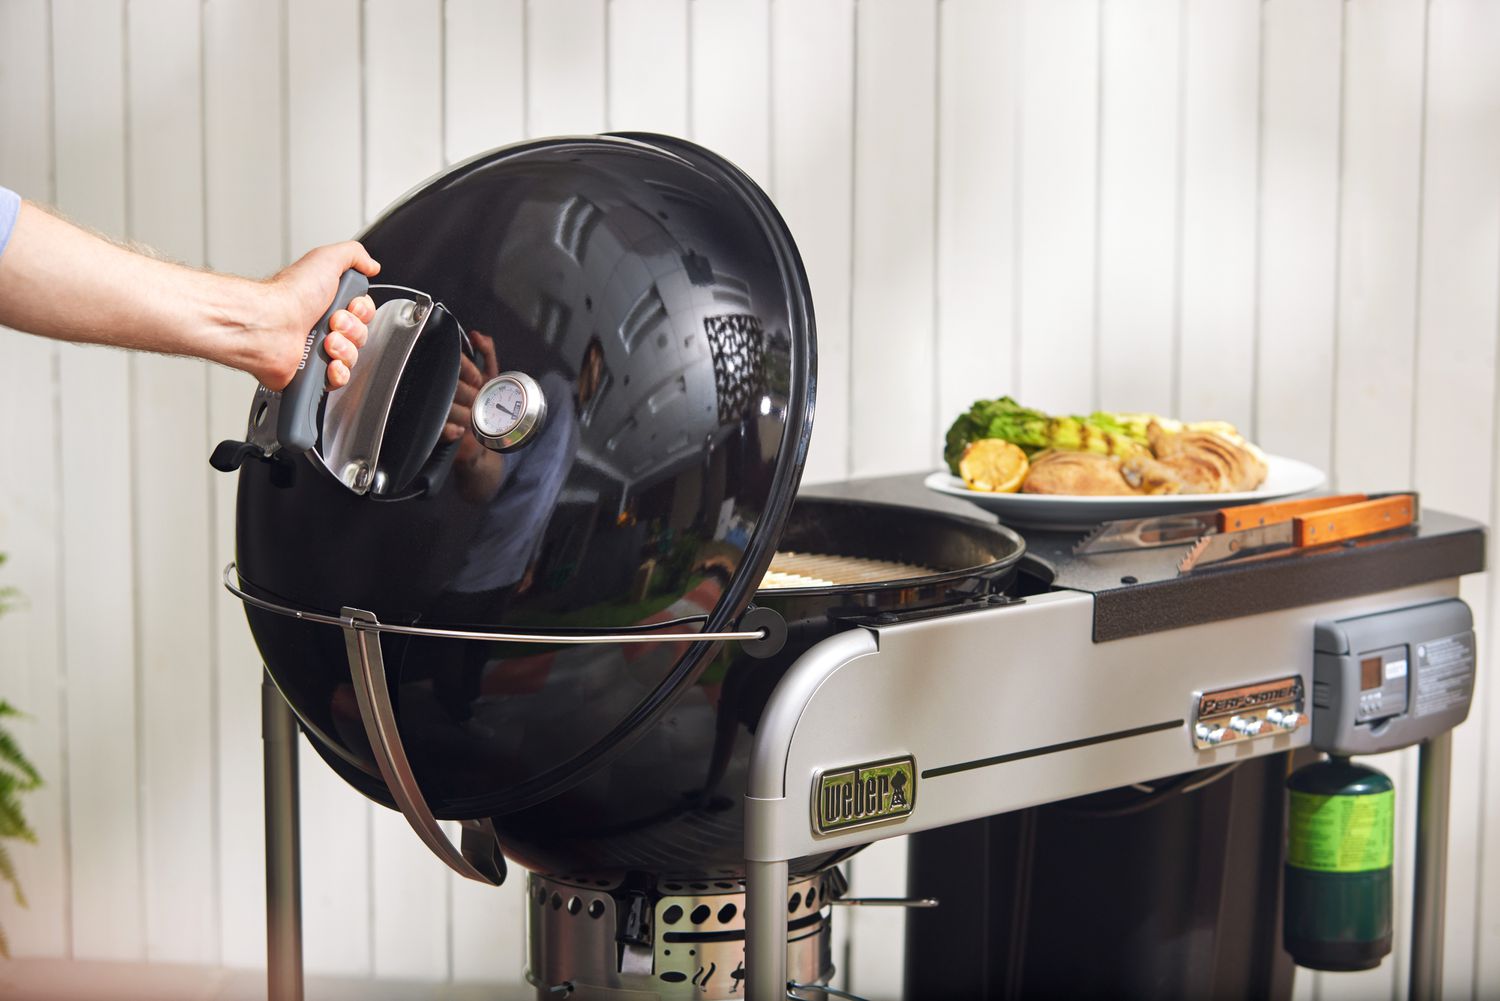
{"x": 10, "y": 207}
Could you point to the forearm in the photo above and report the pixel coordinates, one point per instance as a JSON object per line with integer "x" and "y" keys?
{"x": 59, "y": 281}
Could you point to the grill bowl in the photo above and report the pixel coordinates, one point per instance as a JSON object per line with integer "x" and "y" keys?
{"x": 672, "y": 804}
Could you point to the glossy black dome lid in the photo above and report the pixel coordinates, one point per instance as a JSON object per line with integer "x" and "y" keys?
{"x": 657, "y": 298}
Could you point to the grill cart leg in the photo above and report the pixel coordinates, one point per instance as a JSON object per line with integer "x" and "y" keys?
{"x": 765, "y": 930}
{"x": 1433, "y": 772}
{"x": 278, "y": 728}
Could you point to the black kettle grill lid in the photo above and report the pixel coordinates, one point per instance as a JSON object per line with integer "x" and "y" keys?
{"x": 657, "y": 299}
{"x": 671, "y": 276}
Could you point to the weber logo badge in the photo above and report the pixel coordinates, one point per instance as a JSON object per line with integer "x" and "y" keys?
{"x": 863, "y": 795}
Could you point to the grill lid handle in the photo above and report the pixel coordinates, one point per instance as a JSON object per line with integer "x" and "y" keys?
{"x": 297, "y": 421}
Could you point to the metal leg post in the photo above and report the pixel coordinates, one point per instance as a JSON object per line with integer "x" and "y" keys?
{"x": 278, "y": 727}
{"x": 765, "y": 930}
{"x": 1434, "y": 770}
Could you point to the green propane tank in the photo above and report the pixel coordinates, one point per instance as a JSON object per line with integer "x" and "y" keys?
{"x": 1340, "y": 839}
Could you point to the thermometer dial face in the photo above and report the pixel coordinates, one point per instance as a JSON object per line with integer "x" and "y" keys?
{"x": 508, "y": 410}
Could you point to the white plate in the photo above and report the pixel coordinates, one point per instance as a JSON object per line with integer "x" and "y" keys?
{"x": 1284, "y": 477}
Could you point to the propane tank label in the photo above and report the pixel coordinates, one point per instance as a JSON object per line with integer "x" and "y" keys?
{"x": 1341, "y": 833}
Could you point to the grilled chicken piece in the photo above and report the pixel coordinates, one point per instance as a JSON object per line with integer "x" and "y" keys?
{"x": 1055, "y": 472}
{"x": 1206, "y": 462}
{"x": 1151, "y": 476}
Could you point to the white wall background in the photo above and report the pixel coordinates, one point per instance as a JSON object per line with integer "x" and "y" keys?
{"x": 1285, "y": 213}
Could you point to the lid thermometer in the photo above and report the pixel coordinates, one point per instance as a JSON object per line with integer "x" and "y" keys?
{"x": 507, "y": 411}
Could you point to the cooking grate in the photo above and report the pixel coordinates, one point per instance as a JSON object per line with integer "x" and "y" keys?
{"x": 815, "y": 570}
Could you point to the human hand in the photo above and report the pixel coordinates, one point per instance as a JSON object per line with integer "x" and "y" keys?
{"x": 471, "y": 378}
{"x": 479, "y": 470}
{"x": 298, "y": 295}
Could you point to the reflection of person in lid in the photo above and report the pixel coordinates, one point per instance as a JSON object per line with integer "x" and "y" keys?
{"x": 518, "y": 491}
{"x": 520, "y": 488}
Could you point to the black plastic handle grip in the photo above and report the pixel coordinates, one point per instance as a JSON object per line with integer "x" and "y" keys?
{"x": 297, "y": 418}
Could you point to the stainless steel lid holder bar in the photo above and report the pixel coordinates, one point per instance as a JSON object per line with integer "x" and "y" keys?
{"x": 646, "y": 634}
{"x": 477, "y": 857}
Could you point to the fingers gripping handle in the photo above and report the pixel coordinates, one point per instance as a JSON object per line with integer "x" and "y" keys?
{"x": 297, "y": 419}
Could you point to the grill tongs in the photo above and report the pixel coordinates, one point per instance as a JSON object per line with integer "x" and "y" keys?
{"x": 1254, "y": 530}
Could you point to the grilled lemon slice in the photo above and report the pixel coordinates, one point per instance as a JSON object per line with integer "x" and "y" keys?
{"x": 993, "y": 465}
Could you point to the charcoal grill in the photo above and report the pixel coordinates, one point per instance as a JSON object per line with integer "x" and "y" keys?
{"x": 614, "y": 645}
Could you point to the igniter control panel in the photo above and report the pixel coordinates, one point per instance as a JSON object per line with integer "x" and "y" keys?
{"x": 1392, "y": 679}
{"x": 1245, "y": 712}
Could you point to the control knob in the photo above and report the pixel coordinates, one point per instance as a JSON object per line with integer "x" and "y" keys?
{"x": 1248, "y": 725}
{"x": 1211, "y": 733}
{"x": 1287, "y": 719}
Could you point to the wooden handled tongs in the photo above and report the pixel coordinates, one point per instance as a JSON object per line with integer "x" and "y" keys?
{"x": 1262, "y": 529}
{"x": 1234, "y": 532}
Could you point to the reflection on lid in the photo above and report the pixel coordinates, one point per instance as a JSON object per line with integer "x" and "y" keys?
{"x": 552, "y": 317}
{"x": 732, "y": 290}
{"x": 648, "y": 314}
{"x": 576, "y": 222}
{"x": 739, "y": 349}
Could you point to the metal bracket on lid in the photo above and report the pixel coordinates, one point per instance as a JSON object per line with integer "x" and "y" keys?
{"x": 479, "y": 856}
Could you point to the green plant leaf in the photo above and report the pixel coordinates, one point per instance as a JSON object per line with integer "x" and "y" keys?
{"x": 8, "y": 875}
{"x": 12, "y": 821}
{"x": 17, "y": 775}
{"x": 12, "y": 757}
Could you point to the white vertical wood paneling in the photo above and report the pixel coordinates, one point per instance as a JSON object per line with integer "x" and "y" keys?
{"x": 1232, "y": 209}
{"x": 31, "y": 665}
{"x": 895, "y": 127}
{"x": 1458, "y": 316}
{"x": 26, "y": 98}
{"x": 244, "y": 204}
{"x": 97, "y": 531}
{"x": 1460, "y": 258}
{"x": 403, "y": 45}
{"x": 337, "y": 871}
{"x": 324, "y": 162}
{"x": 169, "y": 424}
{"x": 1140, "y": 63}
{"x": 1220, "y": 149}
{"x": 1057, "y": 221}
{"x": 978, "y": 92}
{"x": 403, "y": 146}
{"x": 409, "y": 896}
{"x": 877, "y": 934}
{"x": 731, "y": 99}
{"x": 812, "y": 117}
{"x": 486, "y": 926}
{"x": 484, "y": 88}
{"x": 648, "y": 66}
{"x": 325, "y": 122}
{"x": 565, "y": 73}
{"x": 1378, "y": 239}
{"x": 1301, "y": 55}
{"x": 484, "y": 75}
